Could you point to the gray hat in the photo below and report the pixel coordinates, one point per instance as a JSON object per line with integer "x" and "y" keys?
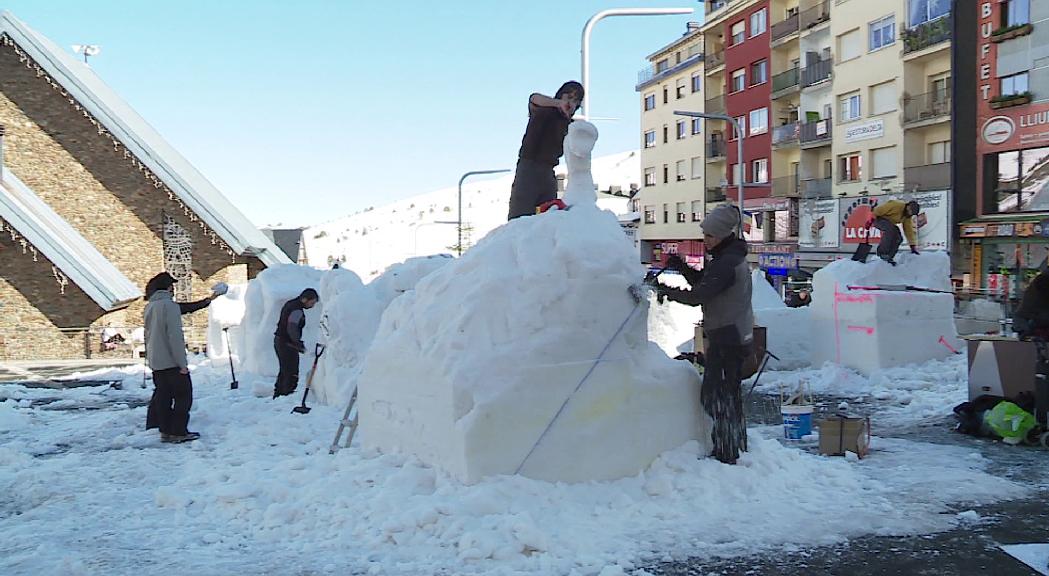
{"x": 721, "y": 221}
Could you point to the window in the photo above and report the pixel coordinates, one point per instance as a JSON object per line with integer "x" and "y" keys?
{"x": 662, "y": 66}
{"x": 759, "y": 72}
{"x": 682, "y": 215}
{"x": 940, "y": 88}
{"x": 922, "y": 11}
{"x": 1015, "y": 84}
{"x": 1020, "y": 178}
{"x": 650, "y": 139}
{"x": 850, "y": 107}
{"x": 677, "y": 57}
{"x": 738, "y": 80}
{"x": 1016, "y": 13}
{"x": 697, "y": 126}
{"x": 650, "y": 102}
{"x": 666, "y": 97}
{"x": 666, "y": 213}
{"x": 697, "y": 210}
{"x": 883, "y": 162}
{"x": 680, "y": 90}
{"x": 759, "y": 121}
{"x": 850, "y": 168}
{"x": 940, "y": 152}
{"x": 739, "y": 30}
{"x": 697, "y": 83}
{"x": 759, "y": 171}
{"x": 666, "y": 174}
{"x": 883, "y": 98}
{"x": 697, "y": 167}
{"x": 849, "y": 46}
{"x": 882, "y": 33}
{"x": 650, "y": 214}
{"x": 742, "y": 127}
{"x": 682, "y": 129}
{"x": 759, "y": 22}
{"x": 665, "y": 133}
{"x": 679, "y": 171}
{"x": 650, "y": 176}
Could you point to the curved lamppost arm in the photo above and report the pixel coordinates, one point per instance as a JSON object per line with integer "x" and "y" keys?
{"x": 459, "y": 246}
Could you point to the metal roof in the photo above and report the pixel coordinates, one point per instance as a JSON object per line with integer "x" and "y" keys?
{"x": 145, "y": 143}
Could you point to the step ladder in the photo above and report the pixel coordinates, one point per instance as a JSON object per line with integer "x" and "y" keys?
{"x": 345, "y": 423}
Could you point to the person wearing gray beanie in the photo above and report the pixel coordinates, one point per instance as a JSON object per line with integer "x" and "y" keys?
{"x": 723, "y": 289}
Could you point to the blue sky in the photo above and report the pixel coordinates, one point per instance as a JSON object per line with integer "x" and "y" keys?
{"x": 301, "y": 112}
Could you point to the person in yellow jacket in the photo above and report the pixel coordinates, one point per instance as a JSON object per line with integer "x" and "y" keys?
{"x": 888, "y": 216}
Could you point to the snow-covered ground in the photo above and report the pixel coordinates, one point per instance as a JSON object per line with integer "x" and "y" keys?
{"x": 90, "y": 492}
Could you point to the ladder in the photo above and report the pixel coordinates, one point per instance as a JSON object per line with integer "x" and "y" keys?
{"x": 346, "y": 422}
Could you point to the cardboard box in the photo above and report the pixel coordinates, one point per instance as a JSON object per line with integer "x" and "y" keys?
{"x": 841, "y": 434}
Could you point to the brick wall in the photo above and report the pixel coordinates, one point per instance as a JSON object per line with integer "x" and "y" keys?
{"x": 59, "y": 154}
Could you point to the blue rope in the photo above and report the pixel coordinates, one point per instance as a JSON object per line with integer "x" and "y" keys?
{"x": 578, "y": 386}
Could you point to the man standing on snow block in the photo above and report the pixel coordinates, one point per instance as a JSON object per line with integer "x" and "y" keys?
{"x": 287, "y": 340}
{"x": 541, "y": 147}
{"x": 723, "y": 289}
{"x": 166, "y": 357}
{"x": 889, "y": 215}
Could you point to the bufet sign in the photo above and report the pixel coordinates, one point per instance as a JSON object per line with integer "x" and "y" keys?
{"x": 855, "y": 213}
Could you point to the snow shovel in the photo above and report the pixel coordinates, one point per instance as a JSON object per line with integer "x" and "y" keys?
{"x": 303, "y": 408}
{"x": 229, "y": 349}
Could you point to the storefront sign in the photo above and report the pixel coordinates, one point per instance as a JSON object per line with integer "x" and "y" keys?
{"x": 853, "y": 214}
{"x": 1005, "y": 230}
{"x": 1025, "y": 229}
{"x": 766, "y": 204}
{"x": 772, "y": 248}
{"x": 866, "y": 131}
{"x": 856, "y": 214}
{"x": 974, "y": 231}
{"x": 774, "y": 261}
{"x": 1044, "y": 228}
{"x": 819, "y": 224}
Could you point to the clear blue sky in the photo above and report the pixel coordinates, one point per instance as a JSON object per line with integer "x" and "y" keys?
{"x": 304, "y": 111}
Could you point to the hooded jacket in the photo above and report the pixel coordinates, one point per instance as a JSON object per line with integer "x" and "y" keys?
{"x": 165, "y": 343}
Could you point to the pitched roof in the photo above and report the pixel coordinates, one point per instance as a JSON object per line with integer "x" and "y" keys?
{"x": 287, "y": 239}
{"x": 191, "y": 187}
{"x": 60, "y": 243}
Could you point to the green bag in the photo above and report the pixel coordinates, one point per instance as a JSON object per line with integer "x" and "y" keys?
{"x": 1010, "y": 422}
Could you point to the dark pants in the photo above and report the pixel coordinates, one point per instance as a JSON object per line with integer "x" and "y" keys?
{"x": 534, "y": 183}
{"x": 172, "y": 399}
{"x": 891, "y": 238}
{"x": 288, "y": 376}
{"x": 722, "y": 397}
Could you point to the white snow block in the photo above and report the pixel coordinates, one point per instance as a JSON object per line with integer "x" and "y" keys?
{"x": 263, "y": 299}
{"x": 868, "y": 330}
{"x": 226, "y": 311}
{"x": 469, "y": 371}
{"x": 785, "y": 336}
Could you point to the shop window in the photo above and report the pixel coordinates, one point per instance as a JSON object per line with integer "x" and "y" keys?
{"x": 1022, "y": 180}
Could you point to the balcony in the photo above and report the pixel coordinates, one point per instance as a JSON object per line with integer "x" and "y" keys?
{"x": 651, "y": 74}
{"x": 786, "y": 187}
{"x": 715, "y": 59}
{"x": 781, "y": 30}
{"x": 816, "y": 133}
{"x": 784, "y": 135}
{"x": 925, "y": 35}
{"x": 715, "y": 105}
{"x": 816, "y": 72}
{"x": 784, "y": 82}
{"x": 815, "y": 16}
{"x": 715, "y": 150}
{"x": 816, "y": 188}
{"x": 715, "y": 195}
{"x": 928, "y": 177}
{"x": 927, "y": 107}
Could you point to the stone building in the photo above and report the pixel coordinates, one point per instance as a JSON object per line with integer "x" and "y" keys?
{"x": 93, "y": 202}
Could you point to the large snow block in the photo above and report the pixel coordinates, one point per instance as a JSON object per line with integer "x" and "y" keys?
{"x": 529, "y": 354}
{"x": 872, "y": 329}
{"x": 263, "y": 299}
{"x": 785, "y": 331}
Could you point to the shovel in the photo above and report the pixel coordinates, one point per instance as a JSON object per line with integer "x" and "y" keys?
{"x": 229, "y": 350}
{"x": 303, "y": 408}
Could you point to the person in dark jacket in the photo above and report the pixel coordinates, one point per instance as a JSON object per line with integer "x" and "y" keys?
{"x": 541, "y": 148}
{"x": 1031, "y": 319}
{"x": 799, "y": 299}
{"x": 723, "y": 289}
{"x": 166, "y": 357}
{"x": 287, "y": 340}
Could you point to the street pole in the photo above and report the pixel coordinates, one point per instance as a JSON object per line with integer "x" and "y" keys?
{"x": 589, "y": 27}
{"x": 461, "y": 180}
{"x": 739, "y": 152}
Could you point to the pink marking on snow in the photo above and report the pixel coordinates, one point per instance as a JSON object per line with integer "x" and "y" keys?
{"x": 837, "y": 328}
{"x": 943, "y": 341}
{"x": 854, "y": 298}
{"x": 868, "y": 329}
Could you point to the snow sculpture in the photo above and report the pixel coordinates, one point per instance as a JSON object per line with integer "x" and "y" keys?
{"x": 580, "y": 190}
{"x": 263, "y": 299}
{"x": 872, "y": 329}
{"x": 490, "y": 366}
{"x": 226, "y": 312}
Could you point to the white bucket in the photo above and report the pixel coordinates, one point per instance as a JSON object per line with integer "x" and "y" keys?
{"x": 797, "y": 420}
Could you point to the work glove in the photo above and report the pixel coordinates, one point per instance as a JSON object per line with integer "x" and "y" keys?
{"x": 300, "y": 348}
{"x": 219, "y": 289}
{"x": 674, "y": 262}
{"x": 914, "y": 250}
{"x": 661, "y": 293}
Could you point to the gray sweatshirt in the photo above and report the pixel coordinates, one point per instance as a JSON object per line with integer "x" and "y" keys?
{"x": 165, "y": 344}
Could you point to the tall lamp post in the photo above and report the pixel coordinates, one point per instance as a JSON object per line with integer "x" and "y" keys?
{"x": 739, "y": 151}
{"x": 461, "y": 180}
{"x": 589, "y": 27}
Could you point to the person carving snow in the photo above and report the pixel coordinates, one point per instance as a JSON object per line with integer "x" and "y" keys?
{"x": 723, "y": 289}
{"x": 287, "y": 340}
{"x": 889, "y": 215}
{"x": 541, "y": 148}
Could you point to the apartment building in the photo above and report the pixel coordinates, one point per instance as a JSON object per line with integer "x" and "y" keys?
{"x": 672, "y": 156}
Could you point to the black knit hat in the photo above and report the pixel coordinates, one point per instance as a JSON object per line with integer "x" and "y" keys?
{"x": 162, "y": 281}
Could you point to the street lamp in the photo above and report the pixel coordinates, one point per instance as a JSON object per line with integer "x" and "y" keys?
{"x": 461, "y": 180}
{"x": 87, "y": 50}
{"x": 601, "y": 16}
{"x": 739, "y": 151}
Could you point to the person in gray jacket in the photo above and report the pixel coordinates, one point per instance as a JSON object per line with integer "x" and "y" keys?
{"x": 723, "y": 289}
{"x": 166, "y": 357}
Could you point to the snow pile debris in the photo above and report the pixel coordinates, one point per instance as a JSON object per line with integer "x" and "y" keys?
{"x": 872, "y": 329}
{"x": 469, "y": 369}
{"x": 762, "y": 295}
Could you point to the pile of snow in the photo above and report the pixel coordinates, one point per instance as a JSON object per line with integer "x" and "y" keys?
{"x": 786, "y": 329}
{"x": 672, "y": 326}
{"x": 873, "y": 329}
{"x": 226, "y": 312}
{"x": 11, "y": 418}
{"x": 263, "y": 300}
{"x": 468, "y": 370}
{"x": 762, "y": 295}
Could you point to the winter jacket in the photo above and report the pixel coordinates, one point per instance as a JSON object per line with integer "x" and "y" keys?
{"x": 165, "y": 343}
{"x": 1031, "y": 319}
{"x": 289, "y": 326}
{"x": 892, "y": 211}
{"x": 723, "y": 289}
